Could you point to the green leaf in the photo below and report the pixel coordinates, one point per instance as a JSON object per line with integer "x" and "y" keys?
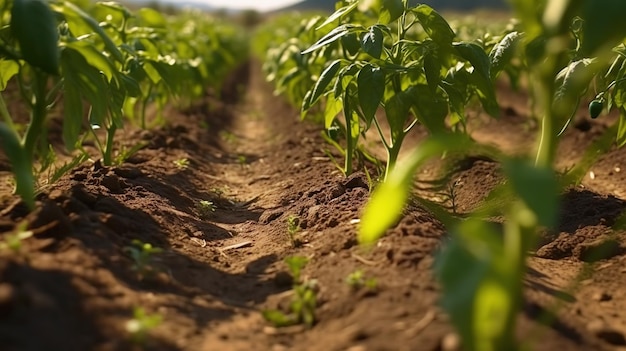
{"x": 434, "y": 25}
{"x": 397, "y": 109}
{"x": 432, "y": 70}
{"x": 431, "y": 108}
{"x": 322, "y": 84}
{"x": 94, "y": 57}
{"x": 8, "y": 69}
{"x": 332, "y": 109}
{"x": 502, "y": 53}
{"x": 344, "y": 11}
{"x": 480, "y": 285}
{"x": 35, "y": 28}
{"x": 21, "y": 165}
{"x": 476, "y": 56}
{"x": 351, "y": 43}
{"x": 390, "y": 11}
{"x": 372, "y": 42}
{"x": 388, "y": 200}
{"x": 371, "y": 88}
{"x": 331, "y": 37}
{"x": 80, "y": 19}
{"x": 537, "y": 187}
{"x": 72, "y": 114}
{"x": 572, "y": 82}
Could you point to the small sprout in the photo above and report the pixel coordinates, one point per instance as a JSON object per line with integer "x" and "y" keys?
{"x": 205, "y": 208}
{"x": 141, "y": 324}
{"x": 357, "y": 280}
{"x": 304, "y": 302}
{"x": 293, "y": 228}
{"x": 228, "y": 137}
{"x": 13, "y": 241}
{"x": 242, "y": 160}
{"x": 143, "y": 258}
{"x": 182, "y": 163}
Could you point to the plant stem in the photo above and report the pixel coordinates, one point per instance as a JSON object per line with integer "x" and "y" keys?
{"x": 108, "y": 147}
{"x": 38, "y": 114}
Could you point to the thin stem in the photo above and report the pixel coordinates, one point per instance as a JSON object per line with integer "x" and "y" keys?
{"x": 38, "y": 114}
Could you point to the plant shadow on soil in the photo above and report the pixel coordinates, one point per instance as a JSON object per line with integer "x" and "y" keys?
{"x": 73, "y": 285}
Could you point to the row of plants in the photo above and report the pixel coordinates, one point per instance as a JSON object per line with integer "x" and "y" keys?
{"x": 100, "y": 66}
{"x": 393, "y": 66}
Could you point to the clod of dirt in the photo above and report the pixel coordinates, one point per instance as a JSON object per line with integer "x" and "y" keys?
{"x": 599, "y": 249}
{"x": 128, "y": 172}
{"x": 113, "y": 183}
{"x": 50, "y": 220}
{"x": 607, "y": 333}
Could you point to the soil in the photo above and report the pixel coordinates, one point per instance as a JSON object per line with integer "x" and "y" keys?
{"x": 74, "y": 285}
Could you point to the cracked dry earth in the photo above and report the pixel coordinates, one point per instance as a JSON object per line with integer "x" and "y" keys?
{"x": 73, "y": 286}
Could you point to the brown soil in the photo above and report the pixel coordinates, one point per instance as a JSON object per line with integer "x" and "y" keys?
{"x": 73, "y": 286}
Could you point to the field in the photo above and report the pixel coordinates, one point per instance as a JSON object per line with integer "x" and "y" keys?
{"x": 236, "y": 225}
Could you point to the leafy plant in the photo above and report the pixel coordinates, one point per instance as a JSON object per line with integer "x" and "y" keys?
{"x": 482, "y": 268}
{"x": 143, "y": 256}
{"x": 182, "y": 163}
{"x": 205, "y": 208}
{"x": 142, "y": 323}
{"x": 357, "y": 280}
{"x": 13, "y": 241}
{"x": 303, "y": 303}
{"x": 293, "y": 228}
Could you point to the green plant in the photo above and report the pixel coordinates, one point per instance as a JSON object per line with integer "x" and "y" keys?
{"x": 143, "y": 256}
{"x": 182, "y": 163}
{"x": 107, "y": 61}
{"x": 142, "y": 323}
{"x": 293, "y": 228}
{"x": 13, "y": 241}
{"x": 357, "y": 280}
{"x": 205, "y": 208}
{"x": 304, "y": 301}
{"x": 482, "y": 267}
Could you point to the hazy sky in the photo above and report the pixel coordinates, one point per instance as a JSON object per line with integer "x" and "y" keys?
{"x": 261, "y": 5}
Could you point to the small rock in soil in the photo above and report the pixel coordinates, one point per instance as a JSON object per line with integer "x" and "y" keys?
{"x": 81, "y": 193}
{"x": 113, "y": 183}
{"x": 601, "y": 296}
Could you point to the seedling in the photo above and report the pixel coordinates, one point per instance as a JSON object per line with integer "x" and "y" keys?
{"x": 357, "y": 280}
{"x": 143, "y": 258}
{"x": 242, "y": 160}
{"x": 304, "y": 301}
{"x": 141, "y": 324}
{"x": 228, "y": 137}
{"x": 293, "y": 228}
{"x": 182, "y": 163}
{"x": 205, "y": 208}
{"x": 13, "y": 241}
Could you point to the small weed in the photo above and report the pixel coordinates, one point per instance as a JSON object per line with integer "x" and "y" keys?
{"x": 228, "y": 137}
{"x": 125, "y": 153}
{"x": 205, "y": 208}
{"x": 143, "y": 258}
{"x": 141, "y": 324}
{"x": 293, "y": 228}
{"x": 182, "y": 163}
{"x": 13, "y": 241}
{"x": 357, "y": 280}
{"x": 242, "y": 160}
{"x": 304, "y": 301}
